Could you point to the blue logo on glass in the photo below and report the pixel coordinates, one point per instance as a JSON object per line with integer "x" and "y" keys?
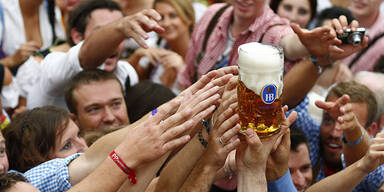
{"x": 269, "y": 93}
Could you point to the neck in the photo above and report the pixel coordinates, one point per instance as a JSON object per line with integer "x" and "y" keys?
{"x": 30, "y": 7}
{"x": 179, "y": 46}
{"x": 240, "y": 24}
{"x": 368, "y": 20}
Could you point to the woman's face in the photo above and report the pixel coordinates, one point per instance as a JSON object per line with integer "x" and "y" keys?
{"x": 67, "y": 5}
{"x": 171, "y": 22}
{"x": 3, "y": 156}
{"x": 70, "y": 142}
{"x": 297, "y": 11}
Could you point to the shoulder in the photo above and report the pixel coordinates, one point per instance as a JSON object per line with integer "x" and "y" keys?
{"x": 124, "y": 70}
{"x": 373, "y": 181}
{"x": 209, "y": 13}
{"x": 51, "y": 175}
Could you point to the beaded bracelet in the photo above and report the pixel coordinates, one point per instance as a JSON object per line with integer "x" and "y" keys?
{"x": 355, "y": 142}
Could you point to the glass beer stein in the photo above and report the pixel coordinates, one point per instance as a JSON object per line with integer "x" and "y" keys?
{"x": 260, "y": 86}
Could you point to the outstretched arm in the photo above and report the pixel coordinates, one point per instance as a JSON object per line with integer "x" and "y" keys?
{"x": 341, "y": 112}
{"x": 99, "y": 46}
{"x": 320, "y": 43}
{"x": 203, "y": 95}
{"x": 350, "y": 177}
{"x": 177, "y": 170}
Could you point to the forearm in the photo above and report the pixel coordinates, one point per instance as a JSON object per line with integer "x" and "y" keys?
{"x": 355, "y": 152}
{"x": 100, "y": 45}
{"x": 177, "y": 170}
{"x": 96, "y": 154}
{"x": 298, "y": 82}
{"x": 251, "y": 181}
{"x": 134, "y": 61}
{"x": 293, "y": 48}
{"x": 201, "y": 177}
{"x": 144, "y": 176}
{"x": 345, "y": 180}
{"x": 10, "y": 61}
{"x": 107, "y": 177}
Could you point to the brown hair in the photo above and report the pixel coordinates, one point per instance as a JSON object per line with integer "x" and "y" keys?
{"x": 8, "y": 180}
{"x": 359, "y": 94}
{"x": 83, "y": 78}
{"x": 78, "y": 18}
{"x": 184, "y": 10}
{"x": 32, "y": 135}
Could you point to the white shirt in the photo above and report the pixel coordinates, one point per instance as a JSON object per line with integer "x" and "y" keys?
{"x": 14, "y": 32}
{"x": 57, "y": 69}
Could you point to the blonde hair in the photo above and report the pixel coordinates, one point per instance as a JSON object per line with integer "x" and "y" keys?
{"x": 184, "y": 10}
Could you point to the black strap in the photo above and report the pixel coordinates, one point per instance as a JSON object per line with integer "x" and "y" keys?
{"x": 274, "y": 25}
{"x": 52, "y": 19}
{"x": 362, "y": 52}
{"x": 2, "y": 72}
{"x": 210, "y": 28}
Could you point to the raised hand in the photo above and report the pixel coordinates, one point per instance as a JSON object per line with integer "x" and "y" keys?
{"x": 136, "y": 26}
{"x": 25, "y": 50}
{"x": 334, "y": 108}
{"x": 375, "y": 155}
{"x": 160, "y": 133}
{"x": 277, "y": 164}
{"x": 340, "y": 25}
{"x": 319, "y": 41}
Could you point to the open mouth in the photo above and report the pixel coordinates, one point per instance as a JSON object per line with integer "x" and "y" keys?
{"x": 334, "y": 146}
{"x": 244, "y": 4}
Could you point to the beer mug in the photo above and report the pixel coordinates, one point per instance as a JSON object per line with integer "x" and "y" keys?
{"x": 261, "y": 68}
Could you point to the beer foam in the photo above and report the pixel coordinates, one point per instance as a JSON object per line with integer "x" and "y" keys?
{"x": 261, "y": 65}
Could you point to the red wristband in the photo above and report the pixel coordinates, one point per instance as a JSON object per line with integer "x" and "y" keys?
{"x": 130, "y": 172}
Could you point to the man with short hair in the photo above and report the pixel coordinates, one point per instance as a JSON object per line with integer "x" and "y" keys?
{"x": 349, "y": 111}
{"x": 58, "y": 67}
{"x": 96, "y": 101}
{"x": 371, "y": 80}
{"x": 13, "y": 182}
{"x": 299, "y": 163}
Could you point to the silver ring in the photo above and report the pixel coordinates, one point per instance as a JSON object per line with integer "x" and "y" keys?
{"x": 221, "y": 141}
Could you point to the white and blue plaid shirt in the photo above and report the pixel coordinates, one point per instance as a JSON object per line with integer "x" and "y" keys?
{"x": 52, "y": 175}
{"x": 311, "y": 128}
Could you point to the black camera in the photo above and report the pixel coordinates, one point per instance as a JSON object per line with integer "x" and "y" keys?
{"x": 355, "y": 38}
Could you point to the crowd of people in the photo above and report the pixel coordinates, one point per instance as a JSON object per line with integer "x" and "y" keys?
{"x": 141, "y": 95}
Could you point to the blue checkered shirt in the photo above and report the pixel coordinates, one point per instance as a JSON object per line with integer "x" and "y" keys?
{"x": 52, "y": 175}
{"x": 311, "y": 128}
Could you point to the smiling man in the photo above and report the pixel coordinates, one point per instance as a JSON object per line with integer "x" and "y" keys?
{"x": 96, "y": 101}
{"x": 347, "y": 120}
{"x": 58, "y": 67}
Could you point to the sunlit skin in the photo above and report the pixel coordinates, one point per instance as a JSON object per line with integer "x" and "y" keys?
{"x": 364, "y": 7}
{"x": 330, "y": 133}
{"x": 244, "y": 14}
{"x": 97, "y": 19}
{"x": 3, "y": 156}
{"x": 300, "y": 168}
{"x": 69, "y": 143}
{"x": 22, "y": 187}
{"x": 297, "y": 11}
{"x": 174, "y": 26}
{"x": 100, "y": 106}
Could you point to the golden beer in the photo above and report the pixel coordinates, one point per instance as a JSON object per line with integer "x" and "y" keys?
{"x": 260, "y": 87}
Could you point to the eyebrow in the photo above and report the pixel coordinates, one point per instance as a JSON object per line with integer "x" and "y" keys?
{"x": 111, "y": 100}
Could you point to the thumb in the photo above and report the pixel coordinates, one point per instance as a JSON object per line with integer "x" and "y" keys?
{"x": 323, "y": 105}
{"x": 297, "y": 29}
{"x": 252, "y": 139}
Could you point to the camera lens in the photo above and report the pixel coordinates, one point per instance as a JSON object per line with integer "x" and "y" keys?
{"x": 355, "y": 39}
